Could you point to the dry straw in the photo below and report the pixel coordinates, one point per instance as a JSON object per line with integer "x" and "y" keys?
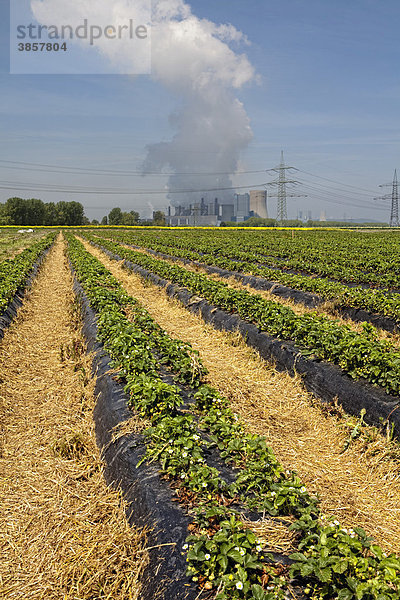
{"x": 360, "y": 486}
{"x": 64, "y": 534}
{"x": 327, "y": 309}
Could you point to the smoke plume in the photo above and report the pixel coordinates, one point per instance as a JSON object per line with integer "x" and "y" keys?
{"x": 193, "y": 58}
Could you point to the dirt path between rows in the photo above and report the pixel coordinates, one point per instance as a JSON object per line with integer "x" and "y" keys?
{"x": 63, "y": 533}
{"x": 360, "y": 486}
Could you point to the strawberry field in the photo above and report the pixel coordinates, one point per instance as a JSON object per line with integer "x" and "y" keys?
{"x": 251, "y": 521}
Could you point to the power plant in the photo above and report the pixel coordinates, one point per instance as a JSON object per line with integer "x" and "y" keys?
{"x": 212, "y": 214}
{"x": 238, "y": 208}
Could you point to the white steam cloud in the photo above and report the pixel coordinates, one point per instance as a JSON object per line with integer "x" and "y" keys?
{"x": 193, "y": 58}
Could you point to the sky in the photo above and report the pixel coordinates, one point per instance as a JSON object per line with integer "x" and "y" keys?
{"x": 320, "y": 83}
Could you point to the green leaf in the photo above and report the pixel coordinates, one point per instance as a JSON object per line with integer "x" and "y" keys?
{"x": 235, "y": 555}
{"x": 258, "y": 592}
{"x": 306, "y": 569}
{"x": 361, "y": 588}
{"x": 377, "y": 551}
{"x": 323, "y": 539}
{"x": 298, "y": 557}
{"x": 390, "y": 573}
{"x": 250, "y": 563}
{"x": 340, "y": 567}
{"x": 223, "y": 561}
{"x": 352, "y": 583}
{"x": 391, "y": 563}
{"x": 345, "y": 594}
{"x": 324, "y": 575}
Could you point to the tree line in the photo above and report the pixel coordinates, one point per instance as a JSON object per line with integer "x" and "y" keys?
{"x": 20, "y": 212}
{"x": 118, "y": 217}
{"x": 17, "y": 211}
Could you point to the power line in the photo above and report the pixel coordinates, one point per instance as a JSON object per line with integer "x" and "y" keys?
{"x": 328, "y": 193}
{"x": 335, "y": 200}
{"x": 32, "y": 187}
{"x": 45, "y": 168}
{"x": 338, "y": 193}
{"x": 336, "y": 182}
{"x": 346, "y": 193}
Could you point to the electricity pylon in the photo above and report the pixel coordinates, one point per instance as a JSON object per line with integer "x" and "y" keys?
{"x": 282, "y": 194}
{"x": 394, "y": 196}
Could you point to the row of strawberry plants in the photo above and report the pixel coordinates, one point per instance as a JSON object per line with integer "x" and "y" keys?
{"x": 174, "y": 439}
{"x": 222, "y": 553}
{"x": 343, "y": 256}
{"x": 14, "y": 272}
{"x": 360, "y": 355}
{"x": 373, "y": 300}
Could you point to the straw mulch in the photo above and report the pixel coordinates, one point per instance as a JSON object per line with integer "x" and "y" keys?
{"x": 63, "y": 533}
{"x": 326, "y": 309}
{"x": 360, "y": 485}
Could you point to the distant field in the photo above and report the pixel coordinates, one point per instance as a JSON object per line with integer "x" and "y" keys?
{"x": 12, "y": 242}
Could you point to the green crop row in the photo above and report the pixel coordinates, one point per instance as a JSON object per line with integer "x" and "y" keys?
{"x": 373, "y": 300}
{"x": 354, "y": 257}
{"x": 223, "y": 555}
{"x": 360, "y": 355}
{"x": 14, "y": 272}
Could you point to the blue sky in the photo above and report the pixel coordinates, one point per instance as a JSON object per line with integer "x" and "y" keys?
{"x": 328, "y": 95}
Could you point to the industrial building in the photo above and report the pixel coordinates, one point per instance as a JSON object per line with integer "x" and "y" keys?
{"x": 241, "y": 207}
{"x": 258, "y": 203}
{"x": 212, "y": 214}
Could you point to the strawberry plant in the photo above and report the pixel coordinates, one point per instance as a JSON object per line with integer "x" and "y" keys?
{"x": 15, "y": 272}
{"x": 360, "y": 355}
{"x": 223, "y": 554}
{"x": 227, "y": 557}
{"x": 345, "y": 564}
{"x": 250, "y": 258}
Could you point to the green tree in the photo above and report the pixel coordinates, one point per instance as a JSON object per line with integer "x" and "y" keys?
{"x": 50, "y": 214}
{"x": 76, "y": 213}
{"x": 15, "y": 209}
{"x": 4, "y": 217}
{"x": 251, "y": 222}
{"x": 70, "y": 213}
{"x": 115, "y": 217}
{"x": 293, "y": 223}
{"x": 104, "y": 221}
{"x": 35, "y": 212}
{"x": 130, "y": 218}
{"x": 159, "y": 218}
{"x": 258, "y": 222}
{"x": 62, "y": 213}
{"x": 25, "y": 212}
